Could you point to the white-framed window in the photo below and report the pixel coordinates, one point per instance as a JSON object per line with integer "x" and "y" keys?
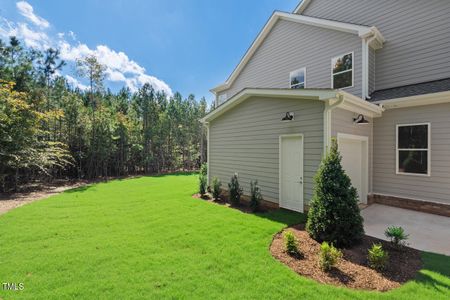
{"x": 222, "y": 98}
{"x": 297, "y": 79}
{"x": 413, "y": 148}
{"x": 342, "y": 71}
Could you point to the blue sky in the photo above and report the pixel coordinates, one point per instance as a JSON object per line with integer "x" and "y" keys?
{"x": 180, "y": 45}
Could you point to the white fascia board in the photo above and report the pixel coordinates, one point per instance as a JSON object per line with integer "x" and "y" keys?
{"x": 360, "y": 106}
{"x": 360, "y": 30}
{"x": 311, "y": 94}
{"x": 301, "y": 6}
{"x": 419, "y": 100}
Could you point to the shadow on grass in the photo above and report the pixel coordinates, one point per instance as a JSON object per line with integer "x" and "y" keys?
{"x": 283, "y": 216}
{"x": 80, "y": 189}
{"x": 435, "y": 265}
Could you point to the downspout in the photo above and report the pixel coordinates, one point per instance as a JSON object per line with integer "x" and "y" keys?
{"x": 327, "y": 121}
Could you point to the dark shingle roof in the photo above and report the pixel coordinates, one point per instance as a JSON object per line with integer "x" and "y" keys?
{"x": 436, "y": 86}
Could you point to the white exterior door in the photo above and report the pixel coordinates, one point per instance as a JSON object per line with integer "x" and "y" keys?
{"x": 354, "y": 152}
{"x": 291, "y": 172}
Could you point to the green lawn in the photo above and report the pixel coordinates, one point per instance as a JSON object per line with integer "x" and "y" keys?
{"x": 148, "y": 238}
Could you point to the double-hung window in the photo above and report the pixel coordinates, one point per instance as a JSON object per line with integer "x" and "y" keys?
{"x": 297, "y": 79}
{"x": 342, "y": 71}
{"x": 413, "y": 149}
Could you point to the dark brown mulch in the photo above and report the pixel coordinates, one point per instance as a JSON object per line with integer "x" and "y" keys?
{"x": 223, "y": 200}
{"x": 353, "y": 270}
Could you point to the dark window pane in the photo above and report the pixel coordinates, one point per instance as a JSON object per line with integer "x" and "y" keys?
{"x": 413, "y": 137}
{"x": 297, "y": 77}
{"x": 413, "y": 162}
{"x": 342, "y": 63}
{"x": 342, "y": 80}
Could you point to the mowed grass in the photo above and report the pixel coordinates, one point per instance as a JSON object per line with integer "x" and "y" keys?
{"x": 148, "y": 238}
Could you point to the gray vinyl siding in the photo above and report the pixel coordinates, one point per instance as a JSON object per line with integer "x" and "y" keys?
{"x": 291, "y": 46}
{"x": 246, "y": 140}
{"x": 417, "y": 36}
{"x": 385, "y": 180}
{"x": 342, "y": 122}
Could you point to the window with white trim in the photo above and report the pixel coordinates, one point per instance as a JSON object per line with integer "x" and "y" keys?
{"x": 342, "y": 71}
{"x": 297, "y": 79}
{"x": 413, "y": 149}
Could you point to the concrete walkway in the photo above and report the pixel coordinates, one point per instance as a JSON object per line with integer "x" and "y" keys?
{"x": 426, "y": 231}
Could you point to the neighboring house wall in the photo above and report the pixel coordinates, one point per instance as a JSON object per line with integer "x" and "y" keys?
{"x": 416, "y": 32}
{"x": 385, "y": 180}
{"x": 246, "y": 140}
{"x": 342, "y": 122}
{"x": 291, "y": 46}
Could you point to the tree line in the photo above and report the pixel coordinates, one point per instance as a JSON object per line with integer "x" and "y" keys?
{"x": 49, "y": 129}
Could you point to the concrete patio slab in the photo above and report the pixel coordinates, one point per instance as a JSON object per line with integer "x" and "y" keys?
{"x": 426, "y": 231}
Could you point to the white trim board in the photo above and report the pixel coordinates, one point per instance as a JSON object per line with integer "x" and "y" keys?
{"x": 364, "y": 32}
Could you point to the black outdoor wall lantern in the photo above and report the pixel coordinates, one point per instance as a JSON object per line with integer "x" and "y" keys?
{"x": 288, "y": 117}
{"x": 360, "y": 120}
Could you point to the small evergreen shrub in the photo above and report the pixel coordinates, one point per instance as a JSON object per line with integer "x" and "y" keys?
{"x": 291, "y": 243}
{"x": 216, "y": 187}
{"x": 328, "y": 256}
{"x": 378, "y": 258}
{"x": 202, "y": 184}
{"x": 204, "y": 169}
{"x": 397, "y": 236}
{"x": 256, "y": 197}
{"x": 334, "y": 215}
{"x": 235, "y": 190}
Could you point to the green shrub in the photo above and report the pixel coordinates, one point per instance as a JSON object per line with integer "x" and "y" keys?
{"x": 397, "y": 236}
{"x": 334, "y": 215}
{"x": 291, "y": 243}
{"x": 235, "y": 190}
{"x": 216, "y": 187}
{"x": 204, "y": 169}
{"x": 328, "y": 256}
{"x": 202, "y": 184}
{"x": 256, "y": 197}
{"x": 378, "y": 258}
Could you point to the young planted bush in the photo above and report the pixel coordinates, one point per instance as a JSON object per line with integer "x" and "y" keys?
{"x": 216, "y": 188}
{"x": 202, "y": 184}
{"x": 328, "y": 256}
{"x": 291, "y": 243}
{"x": 256, "y": 197}
{"x": 334, "y": 215}
{"x": 204, "y": 169}
{"x": 235, "y": 190}
{"x": 378, "y": 258}
{"x": 397, "y": 236}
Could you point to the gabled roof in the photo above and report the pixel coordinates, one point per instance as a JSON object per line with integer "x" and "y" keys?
{"x": 360, "y": 30}
{"x": 350, "y": 100}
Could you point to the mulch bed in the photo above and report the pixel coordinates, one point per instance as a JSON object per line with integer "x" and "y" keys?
{"x": 352, "y": 271}
{"x": 223, "y": 200}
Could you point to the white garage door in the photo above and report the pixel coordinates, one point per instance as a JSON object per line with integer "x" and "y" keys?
{"x": 354, "y": 151}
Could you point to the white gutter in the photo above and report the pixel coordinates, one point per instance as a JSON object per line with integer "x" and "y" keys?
{"x": 327, "y": 122}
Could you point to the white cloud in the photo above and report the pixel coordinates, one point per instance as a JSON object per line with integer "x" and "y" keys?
{"x": 119, "y": 67}
{"x": 75, "y": 83}
{"x": 26, "y": 10}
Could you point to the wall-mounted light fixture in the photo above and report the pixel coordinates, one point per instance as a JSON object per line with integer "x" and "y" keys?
{"x": 360, "y": 120}
{"x": 288, "y": 117}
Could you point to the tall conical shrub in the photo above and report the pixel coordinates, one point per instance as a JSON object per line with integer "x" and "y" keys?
{"x": 334, "y": 215}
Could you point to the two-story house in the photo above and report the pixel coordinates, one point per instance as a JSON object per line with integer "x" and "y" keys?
{"x": 373, "y": 74}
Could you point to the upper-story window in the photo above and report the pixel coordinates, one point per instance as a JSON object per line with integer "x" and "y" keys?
{"x": 342, "y": 71}
{"x": 413, "y": 149}
{"x": 222, "y": 98}
{"x": 297, "y": 79}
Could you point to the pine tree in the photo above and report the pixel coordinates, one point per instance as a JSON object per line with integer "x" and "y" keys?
{"x": 334, "y": 215}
